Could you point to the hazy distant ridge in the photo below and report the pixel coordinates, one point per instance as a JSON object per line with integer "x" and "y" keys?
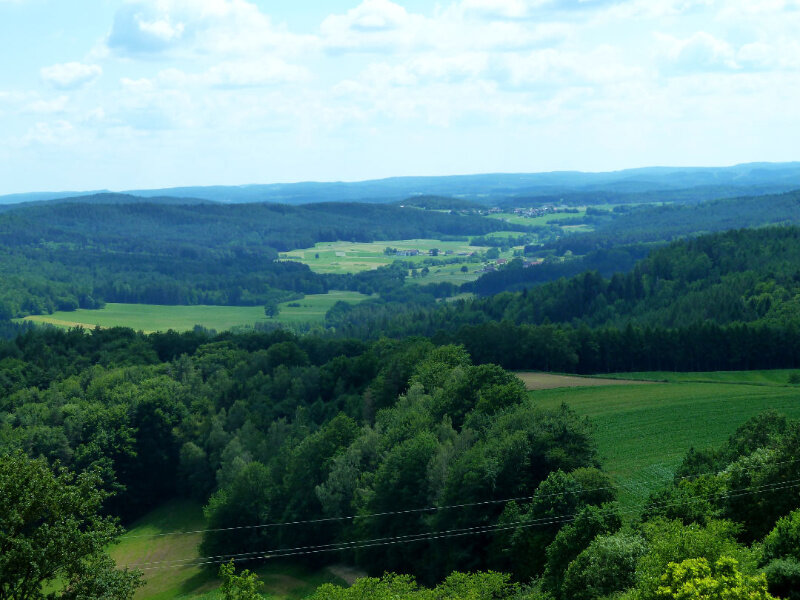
{"x": 750, "y": 178}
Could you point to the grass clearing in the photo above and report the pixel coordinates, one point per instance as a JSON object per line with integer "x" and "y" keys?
{"x": 644, "y": 431}
{"x": 282, "y": 580}
{"x": 150, "y": 317}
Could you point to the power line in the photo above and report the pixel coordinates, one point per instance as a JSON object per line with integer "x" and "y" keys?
{"x": 413, "y": 510}
{"x": 424, "y": 536}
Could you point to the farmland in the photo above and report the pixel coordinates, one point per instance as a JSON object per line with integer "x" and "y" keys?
{"x": 643, "y": 431}
{"x": 548, "y": 381}
{"x": 349, "y": 257}
{"x": 150, "y": 317}
{"x": 542, "y": 221}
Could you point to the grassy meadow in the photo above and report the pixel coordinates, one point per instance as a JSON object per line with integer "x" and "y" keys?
{"x": 515, "y": 219}
{"x": 150, "y": 317}
{"x": 644, "y": 431}
{"x": 350, "y": 257}
{"x": 146, "y": 546}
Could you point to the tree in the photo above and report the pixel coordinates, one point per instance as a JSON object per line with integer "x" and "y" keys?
{"x": 694, "y": 579}
{"x": 271, "y": 309}
{"x": 244, "y": 586}
{"x": 608, "y": 565}
{"x": 51, "y": 532}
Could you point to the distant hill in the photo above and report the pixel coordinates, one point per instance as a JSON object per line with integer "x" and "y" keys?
{"x": 440, "y": 203}
{"x": 108, "y": 198}
{"x": 630, "y": 185}
{"x": 63, "y": 255}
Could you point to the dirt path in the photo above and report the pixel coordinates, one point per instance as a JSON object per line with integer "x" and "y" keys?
{"x": 347, "y": 573}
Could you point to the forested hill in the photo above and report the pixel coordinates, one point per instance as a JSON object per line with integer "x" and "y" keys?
{"x": 104, "y": 198}
{"x": 275, "y": 226}
{"x": 70, "y": 255}
{"x": 671, "y": 221}
{"x": 620, "y": 236}
{"x": 720, "y": 301}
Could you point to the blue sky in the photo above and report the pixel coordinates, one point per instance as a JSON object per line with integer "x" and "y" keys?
{"x": 124, "y": 94}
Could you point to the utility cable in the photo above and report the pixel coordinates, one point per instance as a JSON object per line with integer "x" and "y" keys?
{"x": 414, "y": 510}
{"x": 423, "y": 536}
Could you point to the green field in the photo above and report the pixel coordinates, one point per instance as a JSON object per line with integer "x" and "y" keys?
{"x": 143, "y": 545}
{"x": 769, "y": 377}
{"x": 149, "y": 317}
{"x": 515, "y": 219}
{"x": 349, "y": 257}
{"x": 643, "y": 431}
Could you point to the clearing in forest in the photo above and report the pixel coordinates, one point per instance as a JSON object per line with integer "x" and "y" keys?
{"x": 152, "y": 317}
{"x": 167, "y": 560}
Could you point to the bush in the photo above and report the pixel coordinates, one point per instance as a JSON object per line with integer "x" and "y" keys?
{"x": 608, "y": 565}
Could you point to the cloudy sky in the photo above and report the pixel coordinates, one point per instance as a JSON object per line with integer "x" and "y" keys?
{"x": 123, "y": 94}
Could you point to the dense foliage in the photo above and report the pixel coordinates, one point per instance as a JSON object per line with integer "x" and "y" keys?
{"x": 723, "y": 301}
{"x": 52, "y": 536}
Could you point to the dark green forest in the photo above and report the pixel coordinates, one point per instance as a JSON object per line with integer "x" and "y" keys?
{"x": 334, "y": 440}
{"x": 721, "y": 301}
{"x": 619, "y": 237}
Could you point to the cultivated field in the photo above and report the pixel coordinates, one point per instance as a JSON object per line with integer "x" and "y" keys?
{"x": 644, "y": 431}
{"x": 549, "y": 381}
{"x": 149, "y": 317}
{"x": 349, "y": 257}
{"x": 768, "y": 377}
{"x": 145, "y": 545}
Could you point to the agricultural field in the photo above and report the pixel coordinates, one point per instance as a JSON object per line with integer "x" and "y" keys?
{"x": 150, "y": 317}
{"x": 644, "y": 431}
{"x": 159, "y": 537}
{"x": 542, "y": 221}
{"x": 768, "y": 377}
{"x": 549, "y": 381}
{"x": 349, "y": 257}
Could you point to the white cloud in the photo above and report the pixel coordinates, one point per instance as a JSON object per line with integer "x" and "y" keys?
{"x": 529, "y": 9}
{"x": 265, "y": 72}
{"x": 70, "y": 76}
{"x": 657, "y": 9}
{"x": 699, "y": 52}
{"x": 374, "y": 25}
{"x": 151, "y": 27}
{"x": 60, "y": 132}
{"x": 53, "y": 106}
{"x": 780, "y": 54}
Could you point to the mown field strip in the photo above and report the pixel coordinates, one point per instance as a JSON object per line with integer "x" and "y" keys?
{"x": 547, "y": 381}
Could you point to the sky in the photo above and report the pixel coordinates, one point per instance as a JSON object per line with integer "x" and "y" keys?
{"x": 125, "y": 94}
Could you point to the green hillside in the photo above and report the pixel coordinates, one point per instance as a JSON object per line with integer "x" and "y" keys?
{"x": 644, "y": 431}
